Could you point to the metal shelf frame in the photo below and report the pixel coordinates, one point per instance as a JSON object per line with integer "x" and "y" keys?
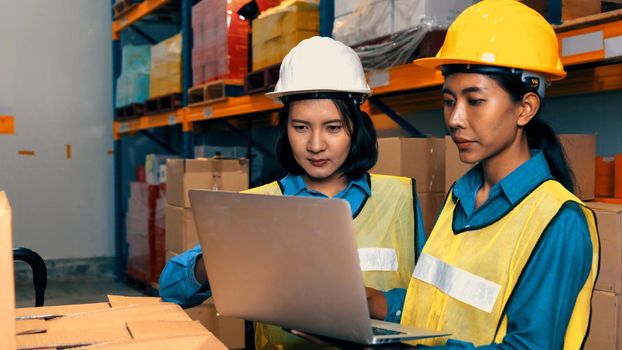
{"x": 597, "y": 67}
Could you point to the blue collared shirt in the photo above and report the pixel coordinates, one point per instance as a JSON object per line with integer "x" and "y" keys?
{"x": 540, "y": 308}
{"x": 178, "y": 283}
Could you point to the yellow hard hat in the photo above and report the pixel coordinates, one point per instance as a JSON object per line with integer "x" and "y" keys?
{"x": 501, "y": 33}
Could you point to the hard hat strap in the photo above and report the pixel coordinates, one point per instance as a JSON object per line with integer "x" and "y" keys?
{"x": 533, "y": 81}
{"x": 317, "y": 95}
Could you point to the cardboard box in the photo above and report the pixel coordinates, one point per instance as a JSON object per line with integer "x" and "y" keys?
{"x": 181, "y": 232}
{"x": 170, "y": 254}
{"x": 117, "y": 324}
{"x": 605, "y": 324}
{"x": 229, "y": 330}
{"x": 418, "y": 158}
{"x": 609, "y": 220}
{"x": 604, "y": 177}
{"x": 7, "y": 292}
{"x": 617, "y": 173}
{"x": 123, "y": 323}
{"x": 580, "y": 152}
{"x": 281, "y": 21}
{"x": 431, "y": 205}
{"x": 213, "y": 173}
{"x": 581, "y": 155}
{"x": 274, "y": 50}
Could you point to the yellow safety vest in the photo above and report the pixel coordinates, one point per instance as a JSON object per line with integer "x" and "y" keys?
{"x": 462, "y": 282}
{"x": 386, "y": 234}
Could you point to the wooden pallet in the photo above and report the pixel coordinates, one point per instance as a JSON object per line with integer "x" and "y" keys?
{"x": 131, "y": 111}
{"x": 261, "y": 80}
{"x": 163, "y": 103}
{"x": 121, "y": 7}
{"x": 214, "y": 91}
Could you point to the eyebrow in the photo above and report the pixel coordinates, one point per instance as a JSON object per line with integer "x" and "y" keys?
{"x": 294, "y": 120}
{"x": 464, "y": 91}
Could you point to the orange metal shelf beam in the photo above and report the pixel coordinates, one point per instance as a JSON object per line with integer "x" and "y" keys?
{"x": 148, "y": 122}
{"x": 404, "y": 78}
{"x": 591, "y": 44}
{"x": 231, "y": 107}
{"x": 135, "y": 14}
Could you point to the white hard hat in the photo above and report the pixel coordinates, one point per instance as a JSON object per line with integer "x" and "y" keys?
{"x": 321, "y": 64}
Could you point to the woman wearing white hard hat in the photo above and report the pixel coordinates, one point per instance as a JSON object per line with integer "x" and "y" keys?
{"x": 327, "y": 145}
{"x": 513, "y": 257}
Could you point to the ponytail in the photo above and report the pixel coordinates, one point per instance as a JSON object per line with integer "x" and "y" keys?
{"x": 541, "y": 136}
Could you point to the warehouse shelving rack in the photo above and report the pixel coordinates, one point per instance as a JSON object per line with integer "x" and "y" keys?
{"x": 595, "y": 68}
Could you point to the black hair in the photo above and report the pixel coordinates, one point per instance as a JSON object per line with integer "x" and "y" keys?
{"x": 540, "y": 135}
{"x": 363, "y": 144}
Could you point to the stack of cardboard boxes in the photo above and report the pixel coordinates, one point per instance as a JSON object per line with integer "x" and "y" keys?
{"x": 181, "y": 234}
{"x": 121, "y": 323}
{"x": 606, "y": 322}
{"x": 279, "y": 29}
{"x": 166, "y": 67}
{"x": 185, "y": 174}
{"x": 422, "y": 159}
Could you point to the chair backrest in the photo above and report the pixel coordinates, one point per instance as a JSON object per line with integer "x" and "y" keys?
{"x": 39, "y": 271}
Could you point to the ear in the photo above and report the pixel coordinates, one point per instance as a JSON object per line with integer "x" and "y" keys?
{"x": 530, "y": 105}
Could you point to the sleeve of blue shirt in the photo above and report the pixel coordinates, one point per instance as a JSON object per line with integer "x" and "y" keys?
{"x": 543, "y": 300}
{"x": 395, "y": 297}
{"x": 178, "y": 283}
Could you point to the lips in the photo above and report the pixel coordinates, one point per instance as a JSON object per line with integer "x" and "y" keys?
{"x": 318, "y": 162}
{"x": 463, "y": 143}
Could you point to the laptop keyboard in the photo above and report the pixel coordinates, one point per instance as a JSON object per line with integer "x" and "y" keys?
{"x": 384, "y": 331}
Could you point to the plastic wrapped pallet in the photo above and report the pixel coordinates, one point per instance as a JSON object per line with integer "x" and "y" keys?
{"x": 166, "y": 67}
{"x": 133, "y": 83}
{"x": 387, "y": 32}
{"x": 279, "y": 29}
{"x": 220, "y": 40}
{"x": 140, "y": 223}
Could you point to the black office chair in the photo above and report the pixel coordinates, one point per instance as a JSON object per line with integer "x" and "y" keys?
{"x": 39, "y": 271}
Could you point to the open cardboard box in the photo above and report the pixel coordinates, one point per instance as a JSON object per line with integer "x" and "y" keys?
{"x": 121, "y": 323}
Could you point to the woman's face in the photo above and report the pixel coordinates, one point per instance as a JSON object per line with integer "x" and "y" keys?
{"x": 319, "y": 137}
{"x": 480, "y": 116}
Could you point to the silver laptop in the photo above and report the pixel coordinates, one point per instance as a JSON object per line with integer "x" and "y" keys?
{"x": 291, "y": 262}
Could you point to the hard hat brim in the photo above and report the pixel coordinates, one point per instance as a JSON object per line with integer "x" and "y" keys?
{"x": 436, "y": 63}
{"x": 275, "y": 95}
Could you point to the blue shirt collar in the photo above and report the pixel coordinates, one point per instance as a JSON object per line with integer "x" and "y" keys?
{"x": 292, "y": 185}
{"x": 514, "y": 186}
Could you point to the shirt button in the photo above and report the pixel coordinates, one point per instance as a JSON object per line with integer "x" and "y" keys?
{"x": 399, "y": 312}
{"x": 467, "y": 226}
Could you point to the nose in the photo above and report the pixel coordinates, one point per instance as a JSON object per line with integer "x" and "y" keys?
{"x": 455, "y": 118}
{"x": 316, "y": 142}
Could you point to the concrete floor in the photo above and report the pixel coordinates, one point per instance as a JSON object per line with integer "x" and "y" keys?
{"x": 73, "y": 292}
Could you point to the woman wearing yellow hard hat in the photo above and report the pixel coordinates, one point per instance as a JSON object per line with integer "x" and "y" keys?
{"x": 513, "y": 257}
{"x": 327, "y": 145}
